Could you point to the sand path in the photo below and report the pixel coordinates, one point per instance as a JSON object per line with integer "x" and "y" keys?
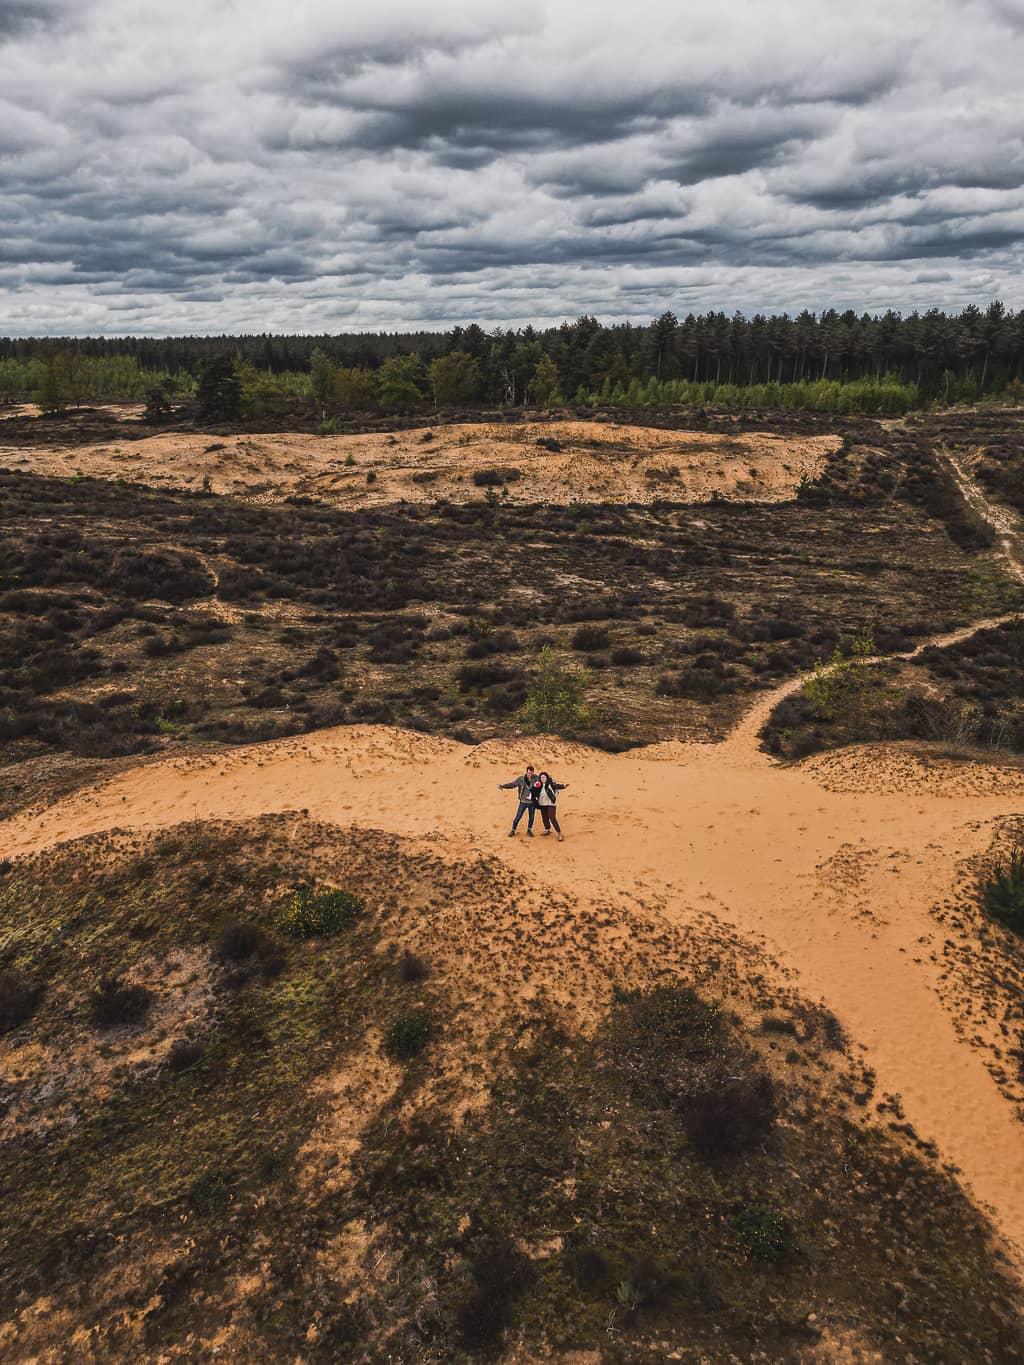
{"x": 834, "y": 864}
{"x": 838, "y": 883}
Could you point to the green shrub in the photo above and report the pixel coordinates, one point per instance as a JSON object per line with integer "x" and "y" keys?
{"x": 329, "y": 428}
{"x": 113, "y": 1003}
{"x": 554, "y": 704}
{"x": 840, "y": 690}
{"x": 1003, "y": 894}
{"x": 183, "y": 1054}
{"x": 763, "y": 1234}
{"x": 318, "y": 914}
{"x": 18, "y": 1000}
{"x": 209, "y": 1193}
{"x": 408, "y": 1035}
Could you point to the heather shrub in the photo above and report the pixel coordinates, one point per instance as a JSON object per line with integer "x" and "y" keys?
{"x": 318, "y": 914}
{"x": 762, "y": 1233}
{"x": 113, "y": 1003}
{"x": 18, "y": 1000}
{"x": 408, "y": 1035}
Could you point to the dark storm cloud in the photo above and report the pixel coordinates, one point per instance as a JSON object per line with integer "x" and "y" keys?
{"x": 1009, "y": 11}
{"x": 19, "y": 16}
{"x": 218, "y": 166}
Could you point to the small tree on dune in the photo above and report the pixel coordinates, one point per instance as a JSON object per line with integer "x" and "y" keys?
{"x": 555, "y": 702}
{"x": 400, "y": 383}
{"x": 841, "y": 690}
{"x": 356, "y": 388}
{"x": 65, "y": 380}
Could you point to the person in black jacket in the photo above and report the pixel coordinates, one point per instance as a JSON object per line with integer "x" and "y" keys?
{"x": 527, "y": 799}
{"x": 547, "y": 790}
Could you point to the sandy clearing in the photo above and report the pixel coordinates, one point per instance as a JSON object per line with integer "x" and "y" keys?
{"x": 123, "y": 412}
{"x": 836, "y": 880}
{"x": 599, "y": 462}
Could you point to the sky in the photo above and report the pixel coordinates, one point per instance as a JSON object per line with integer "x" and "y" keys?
{"x": 213, "y": 166}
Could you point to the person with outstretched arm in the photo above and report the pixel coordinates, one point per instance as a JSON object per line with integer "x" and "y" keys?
{"x": 527, "y": 799}
{"x": 547, "y": 790}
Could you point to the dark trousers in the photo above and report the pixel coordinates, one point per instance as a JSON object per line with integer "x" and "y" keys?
{"x": 547, "y": 814}
{"x": 525, "y": 806}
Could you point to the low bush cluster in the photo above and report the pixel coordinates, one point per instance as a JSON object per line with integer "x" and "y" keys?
{"x": 18, "y": 1000}
{"x": 762, "y": 1233}
{"x": 210, "y": 1193}
{"x": 1002, "y": 894}
{"x": 496, "y": 477}
{"x": 408, "y": 1035}
{"x": 115, "y": 1002}
{"x": 318, "y": 914}
{"x": 677, "y": 1051}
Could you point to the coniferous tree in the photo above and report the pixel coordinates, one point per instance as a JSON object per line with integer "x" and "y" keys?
{"x": 220, "y": 390}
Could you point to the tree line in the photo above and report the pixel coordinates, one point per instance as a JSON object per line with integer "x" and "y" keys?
{"x": 831, "y": 360}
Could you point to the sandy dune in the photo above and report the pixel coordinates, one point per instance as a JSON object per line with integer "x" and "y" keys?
{"x": 599, "y": 461}
{"x": 837, "y": 878}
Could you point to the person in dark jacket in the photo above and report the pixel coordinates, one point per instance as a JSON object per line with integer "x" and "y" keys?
{"x": 547, "y": 790}
{"x": 524, "y": 786}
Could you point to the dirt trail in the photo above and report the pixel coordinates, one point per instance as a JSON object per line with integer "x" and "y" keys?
{"x": 743, "y": 736}
{"x": 835, "y": 864}
{"x": 1001, "y": 519}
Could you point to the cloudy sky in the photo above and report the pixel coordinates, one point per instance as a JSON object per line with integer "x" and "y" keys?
{"x": 347, "y": 165}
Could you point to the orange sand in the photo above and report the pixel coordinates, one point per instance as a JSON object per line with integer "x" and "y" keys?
{"x": 837, "y": 880}
{"x": 600, "y": 461}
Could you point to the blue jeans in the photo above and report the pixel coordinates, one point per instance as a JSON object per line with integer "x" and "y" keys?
{"x": 525, "y": 806}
